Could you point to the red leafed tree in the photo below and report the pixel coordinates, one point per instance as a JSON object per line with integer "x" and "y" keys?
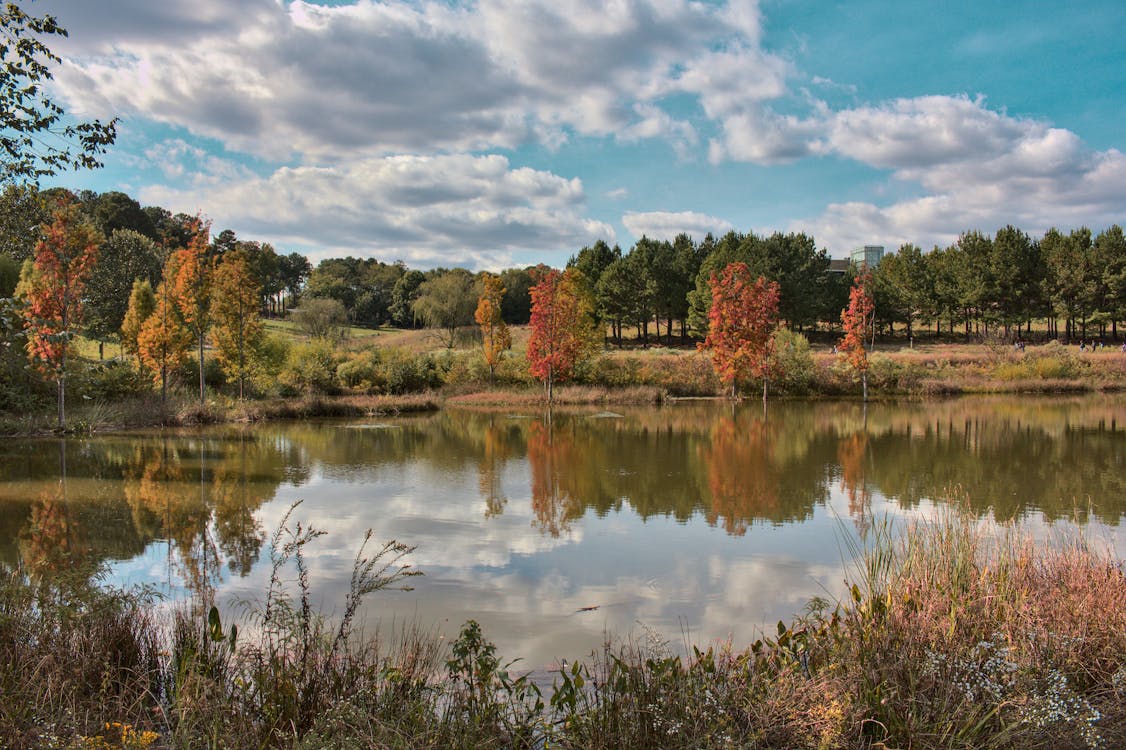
{"x": 51, "y": 284}
{"x": 857, "y": 320}
{"x": 495, "y": 338}
{"x": 741, "y": 324}
{"x": 563, "y": 330}
{"x": 191, "y": 289}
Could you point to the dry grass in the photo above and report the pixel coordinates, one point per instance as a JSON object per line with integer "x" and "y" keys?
{"x": 957, "y": 635}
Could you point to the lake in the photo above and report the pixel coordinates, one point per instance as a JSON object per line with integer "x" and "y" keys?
{"x": 689, "y": 522}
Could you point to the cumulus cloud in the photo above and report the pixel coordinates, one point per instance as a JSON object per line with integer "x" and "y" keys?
{"x": 427, "y": 210}
{"x": 312, "y": 82}
{"x": 666, "y": 225}
{"x": 327, "y": 88}
{"x": 977, "y": 169}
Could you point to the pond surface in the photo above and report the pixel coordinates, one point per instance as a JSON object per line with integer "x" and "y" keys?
{"x": 692, "y": 522}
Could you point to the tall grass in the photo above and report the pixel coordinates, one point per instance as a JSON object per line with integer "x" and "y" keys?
{"x": 954, "y": 636}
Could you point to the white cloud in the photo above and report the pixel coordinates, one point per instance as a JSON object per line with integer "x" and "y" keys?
{"x": 666, "y": 225}
{"x": 474, "y": 211}
{"x": 977, "y": 169}
{"x": 370, "y": 78}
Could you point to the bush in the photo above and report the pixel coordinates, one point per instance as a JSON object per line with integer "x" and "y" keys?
{"x": 111, "y": 380}
{"x": 361, "y": 372}
{"x": 405, "y": 373}
{"x": 791, "y": 351}
{"x": 310, "y": 369}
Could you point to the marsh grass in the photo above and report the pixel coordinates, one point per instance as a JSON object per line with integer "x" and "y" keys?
{"x": 955, "y": 634}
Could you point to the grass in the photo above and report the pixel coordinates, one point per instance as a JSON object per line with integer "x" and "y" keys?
{"x": 955, "y": 636}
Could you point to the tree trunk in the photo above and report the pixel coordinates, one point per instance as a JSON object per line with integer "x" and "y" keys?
{"x": 864, "y": 385}
{"x": 201, "y": 400}
{"x": 61, "y": 381}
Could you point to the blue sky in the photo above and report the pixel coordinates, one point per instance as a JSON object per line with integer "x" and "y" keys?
{"x": 505, "y": 132}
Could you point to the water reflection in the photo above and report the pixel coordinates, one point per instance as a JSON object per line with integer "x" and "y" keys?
{"x": 694, "y": 515}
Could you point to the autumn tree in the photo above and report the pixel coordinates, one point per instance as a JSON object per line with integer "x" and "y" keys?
{"x": 237, "y": 329}
{"x": 142, "y": 302}
{"x": 563, "y": 332}
{"x": 495, "y": 338}
{"x": 51, "y": 283}
{"x": 741, "y": 323}
{"x": 857, "y": 321}
{"x": 191, "y": 290}
{"x": 163, "y": 342}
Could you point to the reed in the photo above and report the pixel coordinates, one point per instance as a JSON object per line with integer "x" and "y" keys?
{"x": 954, "y": 635}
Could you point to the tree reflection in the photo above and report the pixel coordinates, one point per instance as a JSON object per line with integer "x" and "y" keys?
{"x": 551, "y": 456}
{"x": 495, "y": 452}
{"x": 742, "y": 474}
{"x": 852, "y": 452}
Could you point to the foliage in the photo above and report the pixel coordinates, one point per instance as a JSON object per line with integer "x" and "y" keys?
{"x": 189, "y": 272}
{"x": 321, "y": 318}
{"x": 563, "y": 333}
{"x": 310, "y": 368}
{"x": 857, "y": 322}
{"x": 163, "y": 342}
{"x": 794, "y": 361}
{"x": 142, "y": 302}
{"x": 52, "y": 286}
{"x": 495, "y": 338}
{"x": 446, "y": 302}
{"x": 237, "y": 330}
{"x": 127, "y": 256}
{"x": 33, "y": 138}
{"x": 22, "y": 211}
{"x": 741, "y": 322}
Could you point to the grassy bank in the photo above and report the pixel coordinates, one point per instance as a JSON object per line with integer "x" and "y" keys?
{"x": 953, "y": 637}
{"x": 361, "y": 380}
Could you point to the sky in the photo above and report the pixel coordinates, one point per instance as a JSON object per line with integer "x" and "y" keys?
{"x": 502, "y": 133}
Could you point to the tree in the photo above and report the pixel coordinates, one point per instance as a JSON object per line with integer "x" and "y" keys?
{"x": 563, "y": 332}
{"x": 34, "y": 142}
{"x": 52, "y": 284}
{"x": 905, "y": 283}
{"x": 446, "y": 302}
{"x": 115, "y": 210}
{"x": 237, "y": 329}
{"x": 321, "y": 318}
{"x": 163, "y": 343}
{"x": 122, "y": 259}
{"x": 142, "y": 302}
{"x": 857, "y": 321}
{"x": 191, "y": 290}
{"x": 741, "y": 323}
{"x": 22, "y": 211}
{"x": 495, "y": 338}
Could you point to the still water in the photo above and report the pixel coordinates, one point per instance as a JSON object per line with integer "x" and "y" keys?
{"x": 691, "y": 522}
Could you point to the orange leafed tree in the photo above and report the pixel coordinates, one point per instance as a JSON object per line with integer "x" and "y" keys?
{"x": 163, "y": 342}
{"x": 191, "y": 288}
{"x": 495, "y": 337}
{"x": 237, "y": 331}
{"x": 857, "y": 320}
{"x": 562, "y": 327}
{"x": 51, "y": 284}
{"x": 741, "y": 324}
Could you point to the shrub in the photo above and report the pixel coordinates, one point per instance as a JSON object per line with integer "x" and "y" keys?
{"x": 791, "y": 351}
{"x": 310, "y": 369}
{"x": 361, "y": 372}
{"x": 110, "y": 380}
